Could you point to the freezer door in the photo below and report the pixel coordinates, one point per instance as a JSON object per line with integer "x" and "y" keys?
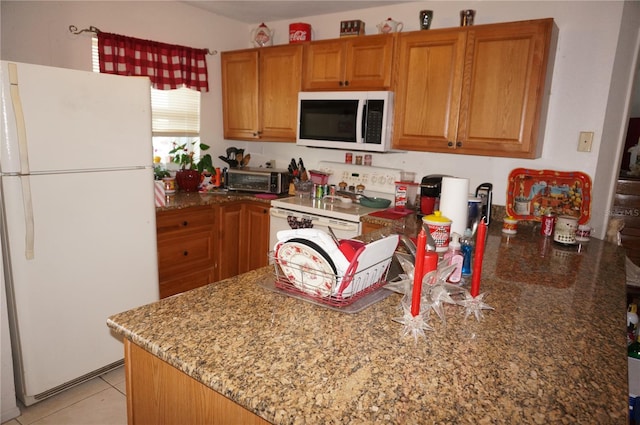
{"x": 73, "y": 120}
{"x": 94, "y": 256}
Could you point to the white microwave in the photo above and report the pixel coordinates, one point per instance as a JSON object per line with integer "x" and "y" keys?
{"x": 351, "y": 120}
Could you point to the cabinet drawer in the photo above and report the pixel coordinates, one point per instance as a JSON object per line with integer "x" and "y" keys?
{"x": 185, "y": 253}
{"x": 181, "y": 220}
{"x": 185, "y": 282}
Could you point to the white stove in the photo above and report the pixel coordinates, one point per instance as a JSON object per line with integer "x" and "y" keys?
{"x": 342, "y": 217}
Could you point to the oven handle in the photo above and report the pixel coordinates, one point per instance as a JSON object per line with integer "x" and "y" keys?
{"x": 336, "y": 225}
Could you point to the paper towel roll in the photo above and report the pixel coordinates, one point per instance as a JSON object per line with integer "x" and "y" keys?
{"x": 454, "y": 197}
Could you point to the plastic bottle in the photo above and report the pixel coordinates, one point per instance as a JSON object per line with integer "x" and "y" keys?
{"x": 467, "y": 252}
{"x": 454, "y": 256}
{"x": 632, "y": 323}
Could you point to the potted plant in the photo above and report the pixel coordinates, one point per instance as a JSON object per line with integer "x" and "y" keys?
{"x": 188, "y": 177}
{"x": 159, "y": 172}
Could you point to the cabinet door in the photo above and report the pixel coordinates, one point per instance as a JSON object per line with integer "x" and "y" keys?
{"x": 186, "y": 281}
{"x": 428, "y": 89}
{"x": 228, "y": 239}
{"x": 158, "y": 393}
{"x": 240, "y": 94}
{"x": 369, "y": 62}
{"x": 256, "y": 235}
{"x": 186, "y": 255}
{"x": 355, "y": 63}
{"x": 504, "y": 88}
{"x": 324, "y": 65}
{"x": 280, "y": 81}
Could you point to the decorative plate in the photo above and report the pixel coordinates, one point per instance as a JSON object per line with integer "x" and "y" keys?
{"x": 307, "y": 266}
{"x": 533, "y": 193}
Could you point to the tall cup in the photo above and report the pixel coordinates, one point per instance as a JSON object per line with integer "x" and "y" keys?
{"x": 426, "y": 16}
{"x": 466, "y": 17}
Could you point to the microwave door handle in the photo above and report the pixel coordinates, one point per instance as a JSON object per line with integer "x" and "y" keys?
{"x": 363, "y": 122}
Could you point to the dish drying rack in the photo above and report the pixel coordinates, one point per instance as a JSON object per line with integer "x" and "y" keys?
{"x": 367, "y": 272}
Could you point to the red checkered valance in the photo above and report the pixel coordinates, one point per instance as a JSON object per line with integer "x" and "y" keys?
{"x": 168, "y": 66}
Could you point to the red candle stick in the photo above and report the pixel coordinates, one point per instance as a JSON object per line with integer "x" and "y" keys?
{"x": 421, "y": 244}
{"x": 477, "y": 258}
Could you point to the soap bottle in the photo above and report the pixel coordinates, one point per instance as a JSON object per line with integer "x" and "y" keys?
{"x": 467, "y": 252}
{"x": 454, "y": 256}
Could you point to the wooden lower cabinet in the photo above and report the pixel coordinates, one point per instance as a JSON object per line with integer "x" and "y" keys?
{"x": 186, "y": 253}
{"x": 626, "y": 205}
{"x": 242, "y": 238}
{"x": 158, "y": 393}
{"x": 200, "y": 245}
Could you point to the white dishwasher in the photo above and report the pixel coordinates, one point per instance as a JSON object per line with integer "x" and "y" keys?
{"x": 286, "y": 219}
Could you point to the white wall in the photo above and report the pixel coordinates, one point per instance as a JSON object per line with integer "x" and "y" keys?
{"x": 584, "y": 66}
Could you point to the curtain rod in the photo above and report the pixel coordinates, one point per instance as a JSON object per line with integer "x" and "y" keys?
{"x": 74, "y": 30}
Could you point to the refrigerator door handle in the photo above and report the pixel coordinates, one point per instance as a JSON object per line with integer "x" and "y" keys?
{"x": 21, "y": 128}
{"x": 21, "y": 131}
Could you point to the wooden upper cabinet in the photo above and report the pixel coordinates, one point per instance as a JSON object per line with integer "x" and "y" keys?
{"x": 481, "y": 91}
{"x": 240, "y": 94}
{"x": 353, "y": 63}
{"x": 430, "y": 64}
{"x": 280, "y": 82}
{"x": 260, "y": 93}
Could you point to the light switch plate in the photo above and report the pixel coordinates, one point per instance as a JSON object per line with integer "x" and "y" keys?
{"x": 585, "y": 141}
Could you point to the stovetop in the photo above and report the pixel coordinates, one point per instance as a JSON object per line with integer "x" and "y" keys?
{"x": 378, "y": 182}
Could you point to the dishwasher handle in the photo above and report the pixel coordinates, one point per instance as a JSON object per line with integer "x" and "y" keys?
{"x": 317, "y": 221}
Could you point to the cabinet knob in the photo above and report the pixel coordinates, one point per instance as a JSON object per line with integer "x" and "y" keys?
{"x": 346, "y": 83}
{"x": 340, "y": 83}
{"x": 450, "y": 144}
{"x": 185, "y": 223}
{"x": 185, "y": 253}
{"x": 458, "y": 144}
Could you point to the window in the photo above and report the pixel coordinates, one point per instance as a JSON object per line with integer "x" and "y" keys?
{"x": 175, "y": 116}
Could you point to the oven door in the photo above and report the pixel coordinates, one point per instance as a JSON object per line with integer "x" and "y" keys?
{"x": 282, "y": 219}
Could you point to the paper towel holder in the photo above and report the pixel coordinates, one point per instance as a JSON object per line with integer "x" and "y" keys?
{"x": 484, "y": 192}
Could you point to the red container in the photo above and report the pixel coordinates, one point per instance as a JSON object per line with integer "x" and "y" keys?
{"x": 299, "y": 32}
{"x": 548, "y": 222}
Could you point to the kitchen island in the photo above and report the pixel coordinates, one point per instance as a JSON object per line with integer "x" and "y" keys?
{"x": 552, "y": 351}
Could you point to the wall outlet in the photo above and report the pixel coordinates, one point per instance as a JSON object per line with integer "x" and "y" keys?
{"x": 585, "y": 141}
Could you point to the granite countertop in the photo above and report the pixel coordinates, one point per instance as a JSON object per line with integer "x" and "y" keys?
{"x": 552, "y": 351}
{"x": 182, "y": 199}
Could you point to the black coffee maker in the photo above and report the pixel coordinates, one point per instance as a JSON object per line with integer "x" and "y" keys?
{"x": 430, "y": 188}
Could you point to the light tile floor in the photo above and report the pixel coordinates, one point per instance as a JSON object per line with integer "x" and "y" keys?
{"x": 100, "y": 401}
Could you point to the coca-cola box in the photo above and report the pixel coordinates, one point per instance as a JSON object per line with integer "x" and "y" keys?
{"x": 351, "y": 28}
{"x": 299, "y": 32}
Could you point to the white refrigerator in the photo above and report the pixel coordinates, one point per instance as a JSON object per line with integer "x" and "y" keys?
{"x": 78, "y": 219}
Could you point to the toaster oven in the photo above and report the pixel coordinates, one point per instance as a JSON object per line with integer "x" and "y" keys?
{"x": 266, "y": 180}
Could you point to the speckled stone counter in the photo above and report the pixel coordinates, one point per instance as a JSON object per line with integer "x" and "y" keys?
{"x": 195, "y": 199}
{"x": 553, "y": 351}
{"x": 182, "y": 199}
